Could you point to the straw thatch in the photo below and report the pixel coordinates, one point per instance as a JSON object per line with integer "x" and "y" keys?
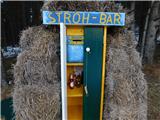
{"x": 38, "y": 65}
{"x": 82, "y": 6}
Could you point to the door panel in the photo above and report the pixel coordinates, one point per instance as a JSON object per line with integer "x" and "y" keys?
{"x": 93, "y": 40}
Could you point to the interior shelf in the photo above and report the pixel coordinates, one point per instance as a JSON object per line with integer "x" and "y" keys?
{"x": 75, "y": 112}
{"x": 76, "y": 92}
{"x": 75, "y": 101}
{"x": 74, "y": 64}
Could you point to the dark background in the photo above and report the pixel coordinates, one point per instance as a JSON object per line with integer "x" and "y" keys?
{"x": 17, "y": 16}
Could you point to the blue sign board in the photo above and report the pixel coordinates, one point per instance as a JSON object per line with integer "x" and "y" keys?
{"x": 84, "y": 18}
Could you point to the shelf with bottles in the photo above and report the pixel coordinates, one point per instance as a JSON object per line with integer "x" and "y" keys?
{"x": 74, "y": 81}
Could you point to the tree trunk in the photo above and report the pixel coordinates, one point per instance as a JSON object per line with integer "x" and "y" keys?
{"x": 151, "y": 34}
{"x": 145, "y": 31}
{"x": 133, "y": 15}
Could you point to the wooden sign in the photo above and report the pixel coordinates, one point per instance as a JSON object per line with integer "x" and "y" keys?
{"x": 83, "y": 18}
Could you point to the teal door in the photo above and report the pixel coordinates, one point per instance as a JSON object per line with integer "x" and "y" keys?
{"x": 93, "y": 51}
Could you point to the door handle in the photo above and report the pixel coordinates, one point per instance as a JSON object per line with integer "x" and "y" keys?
{"x": 86, "y": 90}
{"x": 88, "y": 49}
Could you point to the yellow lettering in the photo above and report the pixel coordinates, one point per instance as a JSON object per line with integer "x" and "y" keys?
{"x": 67, "y": 17}
{"x": 78, "y": 18}
{"x": 59, "y": 16}
{"x": 85, "y": 18}
{"x": 117, "y": 18}
{"x": 103, "y": 18}
{"x": 109, "y": 19}
{"x": 53, "y": 20}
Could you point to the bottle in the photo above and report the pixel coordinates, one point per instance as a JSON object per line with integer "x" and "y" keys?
{"x": 71, "y": 81}
{"x": 78, "y": 81}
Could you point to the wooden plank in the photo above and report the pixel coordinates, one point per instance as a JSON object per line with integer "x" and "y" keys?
{"x": 103, "y": 70}
{"x": 75, "y": 30}
{"x": 84, "y": 18}
{"x": 63, "y": 70}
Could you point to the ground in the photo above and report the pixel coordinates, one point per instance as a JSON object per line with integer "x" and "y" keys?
{"x": 152, "y": 75}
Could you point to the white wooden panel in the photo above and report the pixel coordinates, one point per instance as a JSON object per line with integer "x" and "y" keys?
{"x": 63, "y": 70}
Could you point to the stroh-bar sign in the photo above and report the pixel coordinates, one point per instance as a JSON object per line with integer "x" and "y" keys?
{"x": 84, "y": 18}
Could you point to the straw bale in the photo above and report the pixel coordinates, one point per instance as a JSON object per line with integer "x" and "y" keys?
{"x": 40, "y": 63}
{"x": 36, "y": 103}
{"x": 82, "y": 6}
{"x": 37, "y": 76}
{"x": 27, "y": 38}
{"x": 125, "y": 86}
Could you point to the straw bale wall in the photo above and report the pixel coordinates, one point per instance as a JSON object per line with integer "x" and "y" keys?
{"x": 37, "y": 71}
